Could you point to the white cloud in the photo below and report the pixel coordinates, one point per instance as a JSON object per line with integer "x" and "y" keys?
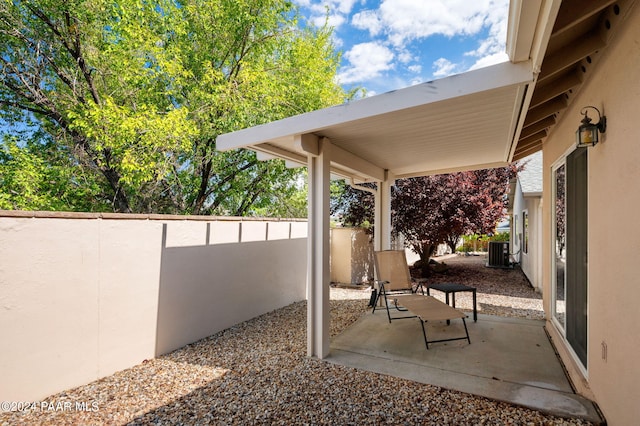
{"x": 443, "y": 67}
{"x": 367, "y": 20}
{"x": 407, "y": 20}
{"x": 486, "y": 61}
{"x": 334, "y": 20}
{"x": 396, "y": 29}
{"x": 366, "y": 61}
{"x": 336, "y": 11}
{"x": 405, "y": 56}
{"x": 337, "y": 41}
{"x": 491, "y": 50}
{"x": 495, "y": 43}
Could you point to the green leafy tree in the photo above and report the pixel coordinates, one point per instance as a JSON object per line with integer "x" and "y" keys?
{"x": 137, "y": 92}
{"x": 354, "y": 207}
{"x": 87, "y": 79}
{"x": 38, "y": 176}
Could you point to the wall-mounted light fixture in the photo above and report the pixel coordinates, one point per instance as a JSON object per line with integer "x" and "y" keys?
{"x": 588, "y": 134}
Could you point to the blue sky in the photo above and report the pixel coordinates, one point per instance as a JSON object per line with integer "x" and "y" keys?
{"x": 390, "y": 44}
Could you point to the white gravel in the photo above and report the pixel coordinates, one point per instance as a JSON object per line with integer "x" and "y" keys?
{"x": 257, "y": 372}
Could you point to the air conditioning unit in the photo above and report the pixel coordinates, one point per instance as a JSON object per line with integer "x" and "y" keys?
{"x": 499, "y": 254}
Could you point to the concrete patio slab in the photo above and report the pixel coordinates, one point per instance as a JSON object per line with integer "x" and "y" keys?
{"x": 509, "y": 360}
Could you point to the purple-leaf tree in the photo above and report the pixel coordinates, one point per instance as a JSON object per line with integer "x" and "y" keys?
{"x": 437, "y": 209}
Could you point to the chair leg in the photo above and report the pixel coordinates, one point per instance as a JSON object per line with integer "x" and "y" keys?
{"x": 375, "y": 303}
{"x": 466, "y": 331}
{"x": 475, "y": 309}
{"x": 386, "y": 304}
{"x": 424, "y": 333}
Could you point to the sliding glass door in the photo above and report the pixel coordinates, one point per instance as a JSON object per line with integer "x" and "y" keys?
{"x": 569, "y": 281}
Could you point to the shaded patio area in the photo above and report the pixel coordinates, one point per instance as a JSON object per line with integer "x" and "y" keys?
{"x": 509, "y": 359}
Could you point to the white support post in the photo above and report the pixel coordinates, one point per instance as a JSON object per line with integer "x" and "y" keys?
{"x": 382, "y": 219}
{"x": 318, "y": 276}
{"x": 383, "y": 213}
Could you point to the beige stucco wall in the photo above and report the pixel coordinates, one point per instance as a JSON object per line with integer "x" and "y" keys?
{"x": 83, "y": 297}
{"x": 614, "y": 203}
{"x": 351, "y": 256}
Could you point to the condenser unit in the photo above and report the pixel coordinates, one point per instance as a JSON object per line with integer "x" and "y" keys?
{"x": 499, "y": 254}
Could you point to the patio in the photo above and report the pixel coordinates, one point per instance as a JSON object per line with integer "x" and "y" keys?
{"x": 509, "y": 359}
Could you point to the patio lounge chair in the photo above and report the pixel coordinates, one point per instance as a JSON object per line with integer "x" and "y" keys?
{"x": 397, "y": 287}
{"x": 428, "y": 308}
{"x": 394, "y": 279}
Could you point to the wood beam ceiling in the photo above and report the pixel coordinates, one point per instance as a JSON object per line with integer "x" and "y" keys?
{"x": 568, "y": 56}
{"x": 554, "y": 88}
{"x": 536, "y": 127}
{"x": 580, "y": 34}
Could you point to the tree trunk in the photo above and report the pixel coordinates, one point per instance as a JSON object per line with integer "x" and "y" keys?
{"x": 425, "y": 251}
{"x": 204, "y": 185}
{"x": 120, "y": 199}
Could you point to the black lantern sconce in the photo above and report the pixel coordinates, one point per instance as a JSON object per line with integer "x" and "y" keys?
{"x": 588, "y": 134}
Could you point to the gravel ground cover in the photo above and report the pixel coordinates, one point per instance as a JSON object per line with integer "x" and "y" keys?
{"x": 257, "y": 372}
{"x": 502, "y": 292}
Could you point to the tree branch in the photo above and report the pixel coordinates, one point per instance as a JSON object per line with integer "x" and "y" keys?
{"x": 255, "y": 193}
{"x": 74, "y": 51}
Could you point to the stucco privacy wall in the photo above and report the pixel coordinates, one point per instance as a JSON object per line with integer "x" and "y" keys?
{"x": 613, "y": 203}
{"x": 351, "y": 256}
{"x": 85, "y": 295}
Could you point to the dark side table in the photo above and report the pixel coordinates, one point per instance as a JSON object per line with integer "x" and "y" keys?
{"x": 453, "y": 288}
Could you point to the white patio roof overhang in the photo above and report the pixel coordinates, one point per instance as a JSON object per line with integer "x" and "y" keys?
{"x": 466, "y": 121}
{"x": 463, "y": 122}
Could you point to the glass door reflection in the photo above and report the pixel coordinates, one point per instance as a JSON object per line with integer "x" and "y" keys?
{"x": 559, "y": 290}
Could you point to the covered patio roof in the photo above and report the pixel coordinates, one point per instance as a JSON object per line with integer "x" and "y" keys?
{"x": 462, "y": 122}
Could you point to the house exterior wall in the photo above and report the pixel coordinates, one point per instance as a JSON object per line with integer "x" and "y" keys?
{"x": 85, "y": 295}
{"x": 612, "y": 377}
{"x": 529, "y": 259}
